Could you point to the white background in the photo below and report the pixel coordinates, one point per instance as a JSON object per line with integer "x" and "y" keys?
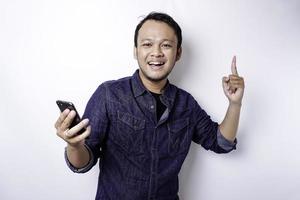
{"x": 58, "y": 49}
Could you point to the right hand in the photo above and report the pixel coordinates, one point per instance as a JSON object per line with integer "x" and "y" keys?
{"x": 70, "y": 135}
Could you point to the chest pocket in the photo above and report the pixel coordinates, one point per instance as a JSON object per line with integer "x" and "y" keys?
{"x": 178, "y": 136}
{"x": 129, "y": 133}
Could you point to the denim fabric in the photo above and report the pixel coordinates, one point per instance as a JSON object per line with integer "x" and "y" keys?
{"x": 140, "y": 156}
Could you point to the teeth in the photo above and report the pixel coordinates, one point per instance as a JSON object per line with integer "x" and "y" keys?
{"x": 155, "y": 63}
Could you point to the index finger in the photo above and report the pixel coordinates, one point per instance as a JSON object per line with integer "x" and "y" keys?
{"x": 233, "y": 66}
{"x": 61, "y": 118}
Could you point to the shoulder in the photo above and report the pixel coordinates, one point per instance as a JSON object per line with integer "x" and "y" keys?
{"x": 116, "y": 83}
{"x": 116, "y": 90}
{"x": 185, "y": 97}
{"x": 183, "y": 92}
{"x": 112, "y": 85}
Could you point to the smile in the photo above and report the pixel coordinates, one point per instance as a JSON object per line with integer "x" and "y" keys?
{"x": 156, "y": 64}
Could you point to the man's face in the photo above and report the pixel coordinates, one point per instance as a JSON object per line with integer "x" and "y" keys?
{"x": 156, "y": 50}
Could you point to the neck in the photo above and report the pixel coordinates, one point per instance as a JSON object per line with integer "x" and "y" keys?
{"x": 153, "y": 86}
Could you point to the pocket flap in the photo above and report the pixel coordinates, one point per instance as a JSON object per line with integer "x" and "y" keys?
{"x": 133, "y": 122}
{"x": 178, "y": 125}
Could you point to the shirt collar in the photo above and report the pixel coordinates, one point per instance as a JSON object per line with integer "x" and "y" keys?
{"x": 137, "y": 85}
{"x": 168, "y": 94}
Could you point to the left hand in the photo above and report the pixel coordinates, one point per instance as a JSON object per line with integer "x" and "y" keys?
{"x": 233, "y": 85}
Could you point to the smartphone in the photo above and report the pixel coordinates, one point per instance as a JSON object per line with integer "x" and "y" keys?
{"x": 66, "y": 104}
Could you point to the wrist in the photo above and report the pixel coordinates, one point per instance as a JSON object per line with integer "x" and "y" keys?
{"x": 235, "y": 104}
{"x": 76, "y": 147}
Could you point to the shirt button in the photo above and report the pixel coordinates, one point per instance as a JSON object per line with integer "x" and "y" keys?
{"x": 152, "y": 106}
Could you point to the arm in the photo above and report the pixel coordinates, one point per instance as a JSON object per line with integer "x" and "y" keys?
{"x": 229, "y": 125}
{"x": 76, "y": 151}
{"x": 79, "y": 156}
{"x": 233, "y": 87}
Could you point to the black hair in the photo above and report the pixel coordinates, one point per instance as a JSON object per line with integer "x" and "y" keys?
{"x": 161, "y": 17}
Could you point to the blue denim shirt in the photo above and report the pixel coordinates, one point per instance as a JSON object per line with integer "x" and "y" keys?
{"x": 140, "y": 156}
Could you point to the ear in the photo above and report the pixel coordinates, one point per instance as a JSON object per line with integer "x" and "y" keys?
{"x": 178, "y": 55}
{"x": 135, "y": 53}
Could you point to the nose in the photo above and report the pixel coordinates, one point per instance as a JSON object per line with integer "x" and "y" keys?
{"x": 157, "y": 52}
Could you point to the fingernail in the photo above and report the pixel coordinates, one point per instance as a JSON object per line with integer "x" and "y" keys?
{"x": 66, "y": 111}
{"x": 72, "y": 112}
{"x": 85, "y": 121}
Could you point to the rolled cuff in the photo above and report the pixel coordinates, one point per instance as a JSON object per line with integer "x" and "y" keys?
{"x": 83, "y": 169}
{"x": 224, "y": 143}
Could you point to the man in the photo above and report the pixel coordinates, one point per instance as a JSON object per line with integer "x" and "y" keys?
{"x": 141, "y": 127}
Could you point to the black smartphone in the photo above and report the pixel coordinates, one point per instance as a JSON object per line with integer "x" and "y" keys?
{"x": 66, "y": 104}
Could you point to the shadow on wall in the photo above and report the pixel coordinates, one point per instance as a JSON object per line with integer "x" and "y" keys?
{"x": 180, "y": 73}
{"x": 182, "y": 70}
{"x": 183, "y": 66}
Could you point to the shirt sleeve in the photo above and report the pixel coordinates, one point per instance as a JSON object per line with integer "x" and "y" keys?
{"x": 83, "y": 169}
{"x": 207, "y": 134}
{"x": 224, "y": 143}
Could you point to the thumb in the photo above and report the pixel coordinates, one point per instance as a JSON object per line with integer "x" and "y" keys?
{"x": 225, "y": 79}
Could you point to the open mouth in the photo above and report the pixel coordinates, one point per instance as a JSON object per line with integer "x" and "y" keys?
{"x": 156, "y": 64}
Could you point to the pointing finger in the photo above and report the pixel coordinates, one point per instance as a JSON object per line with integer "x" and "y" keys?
{"x": 233, "y": 66}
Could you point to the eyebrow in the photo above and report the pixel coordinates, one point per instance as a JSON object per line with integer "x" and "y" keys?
{"x": 162, "y": 40}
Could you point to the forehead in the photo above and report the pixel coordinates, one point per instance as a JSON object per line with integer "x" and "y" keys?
{"x": 152, "y": 29}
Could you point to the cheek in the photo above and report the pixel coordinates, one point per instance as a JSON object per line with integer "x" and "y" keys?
{"x": 142, "y": 59}
{"x": 172, "y": 56}
{"x": 142, "y": 54}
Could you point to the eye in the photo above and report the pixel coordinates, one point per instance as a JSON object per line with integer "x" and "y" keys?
{"x": 146, "y": 44}
{"x": 167, "y": 45}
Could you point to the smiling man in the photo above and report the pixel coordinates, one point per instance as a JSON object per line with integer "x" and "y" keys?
{"x": 156, "y": 51}
{"x": 141, "y": 127}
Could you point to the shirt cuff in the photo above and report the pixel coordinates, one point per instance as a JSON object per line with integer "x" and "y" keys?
{"x": 83, "y": 169}
{"x": 224, "y": 143}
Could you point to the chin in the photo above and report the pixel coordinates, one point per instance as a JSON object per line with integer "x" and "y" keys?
{"x": 157, "y": 78}
{"x": 156, "y": 75}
